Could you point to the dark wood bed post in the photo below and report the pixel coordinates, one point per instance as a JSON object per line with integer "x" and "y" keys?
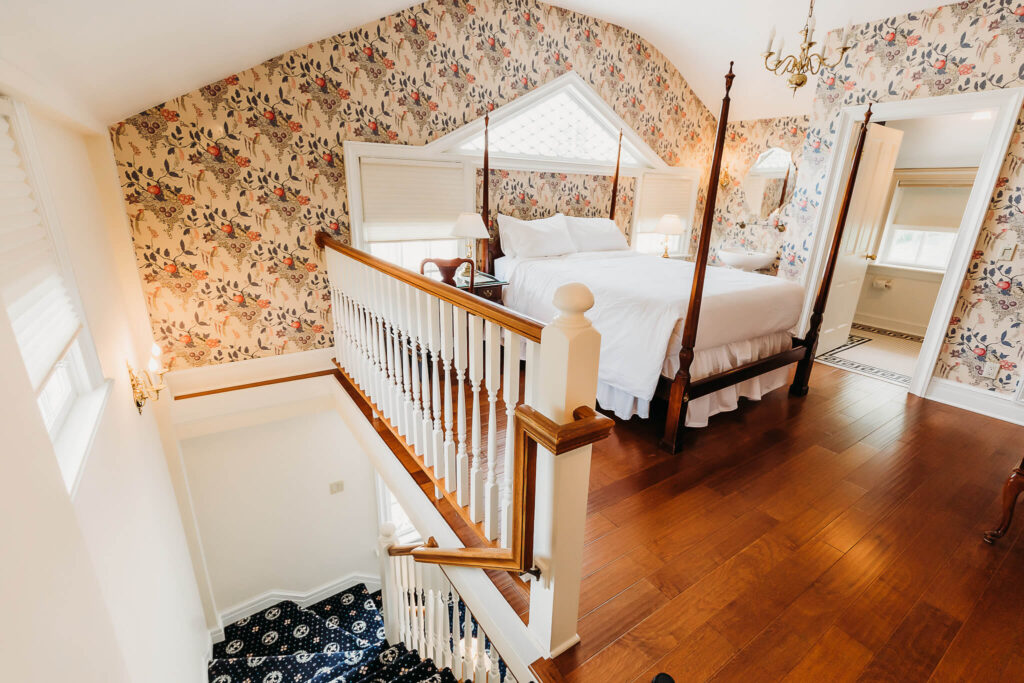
{"x": 679, "y": 393}
{"x": 615, "y": 178}
{"x": 485, "y": 207}
{"x": 803, "y": 369}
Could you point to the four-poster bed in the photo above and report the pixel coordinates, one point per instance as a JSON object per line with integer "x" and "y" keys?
{"x": 743, "y": 349}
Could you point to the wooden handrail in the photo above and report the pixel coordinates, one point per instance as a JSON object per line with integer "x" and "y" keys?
{"x": 510, "y": 320}
{"x": 531, "y": 429}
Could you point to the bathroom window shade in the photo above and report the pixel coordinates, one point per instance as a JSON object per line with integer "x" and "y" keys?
{"x": 408, "y": 200}
{"x": 932, "y": 208}
{"x": 662, "y": 194}
{"x": 32, "y": 285}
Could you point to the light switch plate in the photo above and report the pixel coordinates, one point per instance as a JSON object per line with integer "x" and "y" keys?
{"x": 337, "y": 486}
{"x": 991, "y": 370}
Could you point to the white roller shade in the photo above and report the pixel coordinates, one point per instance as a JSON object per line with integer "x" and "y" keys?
{"x": 662, "y": 193}
{"x": 31, "y": 281}
{"x": 410, "y": 200}
{"x": 931, "y": 207}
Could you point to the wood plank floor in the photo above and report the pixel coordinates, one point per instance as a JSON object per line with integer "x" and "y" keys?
{"x": 835, "y": 537}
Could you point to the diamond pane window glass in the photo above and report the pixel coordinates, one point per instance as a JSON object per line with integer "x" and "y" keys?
{"x": 560, "y": 127}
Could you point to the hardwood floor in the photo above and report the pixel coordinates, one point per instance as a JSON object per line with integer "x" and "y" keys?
{"x": 835, "y": 537}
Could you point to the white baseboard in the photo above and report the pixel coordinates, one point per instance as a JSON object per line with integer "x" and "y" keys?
{"x": 891, "y": 324}
{"x": 1000, "y": 406}
{"x": 272, "y": 597}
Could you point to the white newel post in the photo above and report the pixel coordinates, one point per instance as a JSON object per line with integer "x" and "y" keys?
{"x": 565, "y": 379}
{"x": 389, "y": 581}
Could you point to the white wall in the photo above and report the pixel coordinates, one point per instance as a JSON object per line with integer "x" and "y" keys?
{"x": 124, "y": 507}
{"x": 906, "y": 307}
{"x": 262, "y": 501}
{"x": 954, "y": 140}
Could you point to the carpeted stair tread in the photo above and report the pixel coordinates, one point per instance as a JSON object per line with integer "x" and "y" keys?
{"x": 421, "y": 672}
{"x": 384, "y": 660}
{"x": 283, "y": 629}
{"x": 391, "y": 672}
{"x": 283, "y": 668}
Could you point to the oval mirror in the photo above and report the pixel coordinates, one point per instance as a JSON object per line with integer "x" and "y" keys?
{"x": 769, "y": 183}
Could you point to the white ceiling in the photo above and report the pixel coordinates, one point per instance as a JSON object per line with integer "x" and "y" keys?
{"x": 118, "y": 57}
{"x": 700, "y": 38}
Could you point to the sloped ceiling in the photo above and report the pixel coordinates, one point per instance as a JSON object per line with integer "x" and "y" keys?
{"x": 118, "y": 57}
{"x": 701, "y": 37}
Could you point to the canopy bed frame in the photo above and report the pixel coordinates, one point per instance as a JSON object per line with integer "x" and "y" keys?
{"x": 682, "y": 388}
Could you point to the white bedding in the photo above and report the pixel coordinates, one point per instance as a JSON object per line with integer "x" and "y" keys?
{"x": 640, "y": 301}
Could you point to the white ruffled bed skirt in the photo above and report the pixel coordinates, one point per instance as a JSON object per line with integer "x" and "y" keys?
{"x": 708, "y": 362}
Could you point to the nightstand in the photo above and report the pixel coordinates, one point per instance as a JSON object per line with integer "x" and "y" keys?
{"x": 485, "y": 285}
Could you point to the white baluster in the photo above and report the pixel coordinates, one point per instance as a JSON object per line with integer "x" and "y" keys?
{"x": 476, "y": 373}
{"x": 389, "y": 584}
{"x": 493, "y": 671}
{"x": 434, "y": 338}
{"x": 376, "y": 364}
{"x": 408, "y": 417}
{"x": 421, "y": 640}
{"x": 412, "y": 334}
{"x": 425, "y": 437}
{"x": 403, "y": 593}
{"x": 461, "y": 348}
{"x": 447, "y": 331}
{"x": 440, "y": 629}
{"x": 458, "y": 655}
{"x": 446, "y": 659}
{"x": 492, "y": 379}
{"x": 510, "y": 388}
{"x": 480, "y": 656}
{"x": 395, "y": 373}
{"x": 431, "y": 633}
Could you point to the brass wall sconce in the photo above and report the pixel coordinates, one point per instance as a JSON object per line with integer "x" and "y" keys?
{"x": 143, "y": 386}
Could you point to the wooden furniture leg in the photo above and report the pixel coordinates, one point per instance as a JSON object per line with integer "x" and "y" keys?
{"x": 1011, "y": 490}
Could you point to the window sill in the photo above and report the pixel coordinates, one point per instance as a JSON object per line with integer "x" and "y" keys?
{"x": 906, "y": 272}
{"x": 75, "y": 439}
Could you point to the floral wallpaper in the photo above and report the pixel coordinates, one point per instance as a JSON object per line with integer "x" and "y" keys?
{"x": 968, "y": 46}
{"x": 744, "y": 143}
{"x": 530, "y": 194}
{"x": 227, "y": 185}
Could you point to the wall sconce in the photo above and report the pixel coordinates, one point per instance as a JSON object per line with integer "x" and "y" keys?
{"x": 143, "y": 387}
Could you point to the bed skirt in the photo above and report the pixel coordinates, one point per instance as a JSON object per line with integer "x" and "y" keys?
{"x": 708, "y": 362}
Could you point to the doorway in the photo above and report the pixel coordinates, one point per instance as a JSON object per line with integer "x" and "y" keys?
{"x": 927, "y": 173}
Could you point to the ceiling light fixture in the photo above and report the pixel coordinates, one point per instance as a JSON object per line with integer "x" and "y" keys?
{"x": 806, "y": 62}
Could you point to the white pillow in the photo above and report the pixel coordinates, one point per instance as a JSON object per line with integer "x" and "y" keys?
{"x": 595, "y": 234}
{"x": 531, "y": 239}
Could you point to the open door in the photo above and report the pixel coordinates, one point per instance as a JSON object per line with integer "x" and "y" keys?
{"x": 865, "y": 220}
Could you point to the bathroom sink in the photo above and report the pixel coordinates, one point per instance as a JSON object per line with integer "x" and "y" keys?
{"x": 745, "y": 260}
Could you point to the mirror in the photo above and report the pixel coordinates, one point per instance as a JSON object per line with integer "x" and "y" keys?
{"x": 769, "y": 183}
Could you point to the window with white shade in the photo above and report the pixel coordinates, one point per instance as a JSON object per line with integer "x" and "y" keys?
{"x": 662, "y": 194}
{"x": 922, "y": 225}
{"x": 409, "y": 208}
{"x": 39, "y": 295}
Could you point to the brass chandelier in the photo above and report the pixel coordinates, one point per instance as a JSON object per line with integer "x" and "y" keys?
{"x": 806, "y": 62}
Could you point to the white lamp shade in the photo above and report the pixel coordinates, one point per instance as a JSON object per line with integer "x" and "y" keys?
{"x": 670, "y": 224}
{"x": 470, "y": 225}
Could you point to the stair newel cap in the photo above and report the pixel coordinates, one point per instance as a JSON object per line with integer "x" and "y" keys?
{"x": 573, "y": 300}
{"x": 388, "y": 532}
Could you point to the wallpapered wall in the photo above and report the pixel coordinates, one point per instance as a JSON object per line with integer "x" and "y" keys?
{"x": 529, "y": 195}
{"x": 744, "y": 143}
{"x": 965, "y": 47}
{"x": 226, "y": 186}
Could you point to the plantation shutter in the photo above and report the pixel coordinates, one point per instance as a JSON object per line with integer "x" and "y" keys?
{"x": 409, "y": 200}
{"x": 32, "y": 286}
{"x": 662, "y": 194}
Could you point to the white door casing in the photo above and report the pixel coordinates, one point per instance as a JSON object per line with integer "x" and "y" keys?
{"x": 865, "y": 219}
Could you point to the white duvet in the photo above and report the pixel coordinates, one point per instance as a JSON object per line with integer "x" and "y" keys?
{"x": 641, "y": 299}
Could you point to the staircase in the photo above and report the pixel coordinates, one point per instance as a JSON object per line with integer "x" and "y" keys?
{"x": 338, "y": 640}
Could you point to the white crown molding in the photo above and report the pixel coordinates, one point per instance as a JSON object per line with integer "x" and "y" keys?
{"x": 999, "y": 406}
{"x": 303, "y": 599}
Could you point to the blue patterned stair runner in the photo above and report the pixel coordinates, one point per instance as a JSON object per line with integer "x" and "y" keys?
{"x": 337, "y": 640}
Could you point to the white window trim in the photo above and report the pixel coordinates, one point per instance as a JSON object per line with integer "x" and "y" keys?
{"x": 74, "y": 438}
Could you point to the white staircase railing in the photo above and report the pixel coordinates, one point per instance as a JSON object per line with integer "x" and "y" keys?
{"x": 424, "y": 610}
{"x": 432, "y": 361}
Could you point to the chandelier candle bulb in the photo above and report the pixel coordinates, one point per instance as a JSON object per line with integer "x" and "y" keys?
{"x": 771, "y": 39}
